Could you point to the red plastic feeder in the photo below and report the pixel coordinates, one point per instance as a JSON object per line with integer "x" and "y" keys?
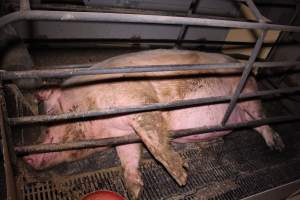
{"x": 103, "y": 195}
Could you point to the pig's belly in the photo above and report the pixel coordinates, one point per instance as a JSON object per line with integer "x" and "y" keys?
{"x": 197, "y": 117}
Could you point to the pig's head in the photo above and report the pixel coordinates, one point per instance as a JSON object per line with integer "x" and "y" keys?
{"x": 50, "y": 135}
{"x": 62, "y": 133}
{"x": 51, "y": 102}
{"x": 49, "y": 99}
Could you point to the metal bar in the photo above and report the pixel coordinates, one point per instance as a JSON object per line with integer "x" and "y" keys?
{"x": 24, "y": 5}
{"x": 255, "y": 11}
{"x": 67, "y": 66}
{"x": 244, "y": 77}
{"x": 129, "y": 40}
{"x": 8, "y": 157}
{"x": 7, "y": 129}
{"x": 63, "y": 73}
{"x": 137, "y": 18}
{"x": 184, "y": 28}
{"x": 44, "y": 148}
{"x": 144, "y": 108}
{"x": 108, "y": 9}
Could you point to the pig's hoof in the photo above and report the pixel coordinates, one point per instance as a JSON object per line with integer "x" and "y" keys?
{"x": 275, "y": 142}
{"x": 176, "y": 166}
{"x": 134, "y": 187}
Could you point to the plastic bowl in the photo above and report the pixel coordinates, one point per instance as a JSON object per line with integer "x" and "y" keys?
{"x": 103, "y": 195}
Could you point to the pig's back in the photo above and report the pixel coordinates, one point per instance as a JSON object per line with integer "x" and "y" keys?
{"x": 154, "y": 57}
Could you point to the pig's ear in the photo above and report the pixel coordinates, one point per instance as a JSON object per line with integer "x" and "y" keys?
{"x": 44, "y": 95}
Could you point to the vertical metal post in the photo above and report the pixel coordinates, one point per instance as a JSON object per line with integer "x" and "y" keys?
{"x": 9, "y": 156}
{"x": 255, "y": 11}
{"x": 24, "y": 5}
{"x": 184, "y": 28}
{"x": 248, "y": 66}
{"x": 244, "y": 77}
{"x": 7, "y": 129}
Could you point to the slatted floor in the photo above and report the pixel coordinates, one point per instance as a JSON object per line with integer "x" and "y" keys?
{"x": 240, "y": 166}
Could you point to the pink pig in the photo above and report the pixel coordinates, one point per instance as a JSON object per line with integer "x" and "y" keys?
{"x": 151, "y": 127}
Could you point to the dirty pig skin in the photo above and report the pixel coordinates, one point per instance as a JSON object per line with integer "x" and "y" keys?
{"x": 83, "y": 93}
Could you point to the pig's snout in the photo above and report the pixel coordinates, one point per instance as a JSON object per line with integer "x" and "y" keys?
{"x": 34, "y": 161}
{"x": 29, "y": 161}
{"x": 39, "y": 161}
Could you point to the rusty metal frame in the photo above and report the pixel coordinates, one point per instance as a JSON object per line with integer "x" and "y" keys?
{"x": 26, "y": 13}
{"x": 9, "y": 156}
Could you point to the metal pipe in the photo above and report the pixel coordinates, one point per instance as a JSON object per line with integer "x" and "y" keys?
{"x": 244, "y": 77}
{"x": 24, "y": 5}
{"x": 9, "y": 156}
{"x": 84, "y": 8}
{"x": 144, "y": 108}
{"x": 184, "y": 28}
{"x": 255, "y": 11}
{"x": 110, "y": 142}
{"x": 135, "y": 41}
{"x": 63, "y": 73}
{"x": 136, "y": 18}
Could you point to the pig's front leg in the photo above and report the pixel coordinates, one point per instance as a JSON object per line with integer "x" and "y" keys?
{"x": 153, "y": 130}
{"x": 271, "y": 137}
{"x": 252, "y": 110}
{"x": 130, "y": 156}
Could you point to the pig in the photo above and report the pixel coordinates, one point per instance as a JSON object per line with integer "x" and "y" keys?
{"x": 83, "y": 93}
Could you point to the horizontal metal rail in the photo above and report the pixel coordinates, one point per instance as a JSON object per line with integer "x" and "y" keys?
{"x": 115, "y": 141}
{"x": 141, "y": 41}
{"x": 136, "y": 18}
{"x": 79, "y": 116}
{"x": 104, "y": 9}
{"x": 109, "y": 9}
{"x": 63, "y": 73}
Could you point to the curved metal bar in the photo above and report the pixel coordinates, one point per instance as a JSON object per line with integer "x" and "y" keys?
{"x": 136, "y": 18}
{"x": 115, "y": 141}
{"x": 79, "y": 116}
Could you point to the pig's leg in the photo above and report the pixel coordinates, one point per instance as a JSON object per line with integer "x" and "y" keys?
{"x": 252, "y": 110}
{"x": 152, "y": 129}
{"x": 130, "y": 158}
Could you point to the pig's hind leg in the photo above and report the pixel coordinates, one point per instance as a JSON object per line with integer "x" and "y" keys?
{"x": 252, "y": 110}
{"x": 153, "y": 130}
{"x": 130, "y": 158}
